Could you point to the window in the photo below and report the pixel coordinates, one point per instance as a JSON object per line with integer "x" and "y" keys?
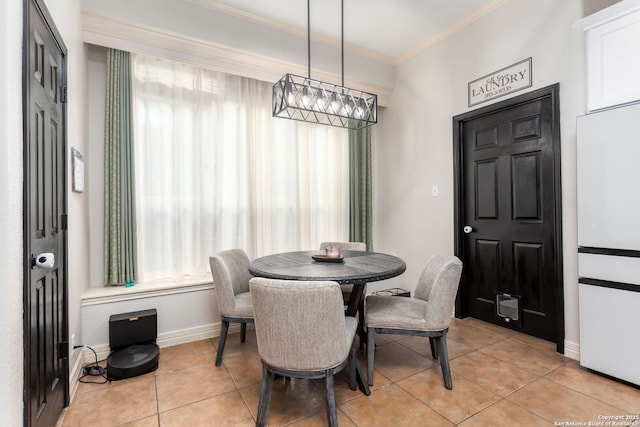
{"x": 215, "y": 171}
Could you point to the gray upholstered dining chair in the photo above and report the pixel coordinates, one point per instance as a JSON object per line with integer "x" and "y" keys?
{"x": 302, "y": 332}
{"x": 427, "y": 314}
{"x": 230, "y": 271}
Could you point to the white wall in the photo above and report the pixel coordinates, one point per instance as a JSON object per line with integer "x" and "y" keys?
{"x": 414, "y": 144}
{"x": 66, "y": 14}
{"x": 96, "y": 88}
{"x": 184, "y": 314}
{"x": 67, "y": 18}
{"x": 11, "y": 213}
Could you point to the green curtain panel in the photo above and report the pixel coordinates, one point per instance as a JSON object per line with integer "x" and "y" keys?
{"x": 119, "y": 202}
{"x": 360, "y": 186}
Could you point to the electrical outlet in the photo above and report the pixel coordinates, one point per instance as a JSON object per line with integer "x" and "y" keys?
{"x": 434, "y": 191}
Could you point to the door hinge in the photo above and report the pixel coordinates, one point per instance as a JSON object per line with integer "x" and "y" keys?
{"x": 63, "y": 350}
{"x": 63, "y": 93}
{"x": 64, "y": 219}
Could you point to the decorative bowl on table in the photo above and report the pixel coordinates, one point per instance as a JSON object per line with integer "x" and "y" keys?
{"x": 325, "y": 258}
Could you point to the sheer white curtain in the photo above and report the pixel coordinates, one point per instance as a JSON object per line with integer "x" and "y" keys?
{"x": 215, "y": 171}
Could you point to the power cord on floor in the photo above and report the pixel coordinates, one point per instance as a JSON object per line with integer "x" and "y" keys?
{"x": 93, "y": 370}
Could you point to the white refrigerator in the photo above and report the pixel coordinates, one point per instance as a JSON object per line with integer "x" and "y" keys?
{"x": 608, "y": 162}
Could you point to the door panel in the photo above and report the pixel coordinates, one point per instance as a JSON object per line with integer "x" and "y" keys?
{"x": 528, "y": 260}
{"x": 526, "y": 196}
{"x": 46, "y": 347}
{"x": 507, "y": 192}
{"x": 486, "y": 189}
{"x": 487, "y": 260}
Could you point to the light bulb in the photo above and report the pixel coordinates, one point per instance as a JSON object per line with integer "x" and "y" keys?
{"x": 347, "y": 110}
{"x": 291, "y": 99}
{"x": 321, "y": 101}
{"x": 288, "y": 91}
{"x": 334, "y": 105}
{"x": 306, "y": 102}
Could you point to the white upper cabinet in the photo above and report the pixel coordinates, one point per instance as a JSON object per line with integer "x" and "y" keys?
{"x": 613, "y": 55}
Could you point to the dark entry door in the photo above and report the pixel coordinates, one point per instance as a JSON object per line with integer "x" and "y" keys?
{"x": 46, "y": 346}
{"x": 509, "y": 234}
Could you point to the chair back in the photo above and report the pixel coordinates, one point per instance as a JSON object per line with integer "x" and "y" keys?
{"x": 347, "y": 246}
{"x": 300, "y": 325}
{"x": 438, "y": 285}
{"x": 230, "y": 271}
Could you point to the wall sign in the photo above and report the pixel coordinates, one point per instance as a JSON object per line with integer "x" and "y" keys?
{"x": 500, "y": 83}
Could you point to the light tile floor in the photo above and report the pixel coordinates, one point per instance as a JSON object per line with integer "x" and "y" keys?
{"x": 500, "y": 378}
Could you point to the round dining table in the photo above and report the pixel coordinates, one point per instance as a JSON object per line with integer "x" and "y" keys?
{"x": 355, "y": 267}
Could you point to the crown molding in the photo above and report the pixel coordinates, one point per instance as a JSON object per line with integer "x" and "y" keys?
{"x": 467, "y": 20}
{"x": 279, "y": 26}
{"x": 136, "y": 38}
{"x": 225, "y": 9}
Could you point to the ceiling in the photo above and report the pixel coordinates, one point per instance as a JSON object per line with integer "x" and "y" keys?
{"x": 389, "y": 30}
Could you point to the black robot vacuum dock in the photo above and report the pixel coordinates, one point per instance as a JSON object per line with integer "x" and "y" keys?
{"x": 132, "y": 338}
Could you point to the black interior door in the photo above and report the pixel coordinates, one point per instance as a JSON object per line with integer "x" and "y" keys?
{"x": 45, "y": 296}
{"x": 508, "y": 221}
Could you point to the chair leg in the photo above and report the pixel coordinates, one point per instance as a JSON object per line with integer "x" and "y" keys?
{"x": 362, "y": 381}
{"x": 265, "y": 396}
{"x": 222, "y": 341}
{"x": 361, "y": 317}
{"x": 371, "y": 346}
{"x": 434, "y": 348}
{"x": 353, "y": 365}
{"x": 444, "y": 361}
{"x": 361, "y": 322}
{"x": 330, "y": 396}
{"x": 243, "y": 331}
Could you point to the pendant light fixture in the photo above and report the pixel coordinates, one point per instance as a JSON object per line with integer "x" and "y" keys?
{"x": 302, "y": 98}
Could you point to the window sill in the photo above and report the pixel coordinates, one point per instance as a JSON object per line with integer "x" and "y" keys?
{"x": 110, "y": 294}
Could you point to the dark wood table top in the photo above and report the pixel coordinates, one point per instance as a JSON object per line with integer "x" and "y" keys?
{"x": 356, "y": 267}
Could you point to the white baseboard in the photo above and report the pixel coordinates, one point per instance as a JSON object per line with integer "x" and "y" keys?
{"x": 183, "y": 336}
{"x": 74, "y": 374}
{"x": 168, "y": 339}
{"x": 572, "y": 350}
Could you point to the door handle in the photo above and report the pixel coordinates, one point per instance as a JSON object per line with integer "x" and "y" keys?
{"x": 45, "y": 261}
{"x": 467, "y": 229}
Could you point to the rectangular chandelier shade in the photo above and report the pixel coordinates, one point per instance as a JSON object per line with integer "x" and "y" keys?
{"x": 308, "y": 100}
